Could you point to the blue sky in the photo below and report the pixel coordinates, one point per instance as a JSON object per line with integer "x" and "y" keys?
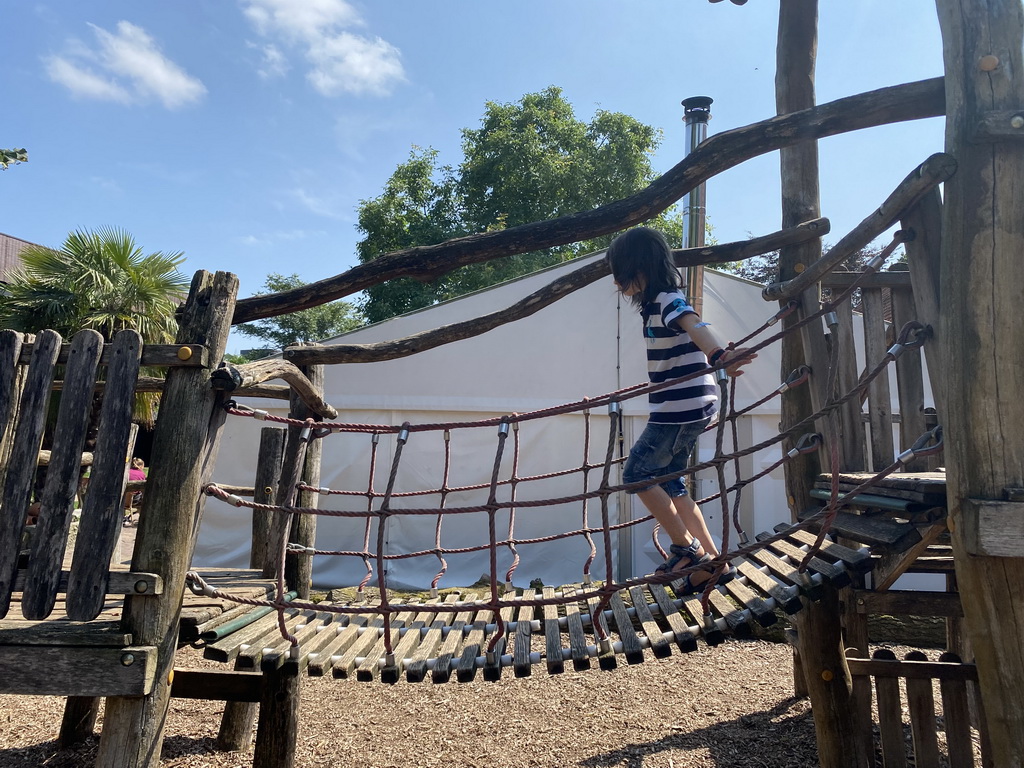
{"x": 244, "y": 133}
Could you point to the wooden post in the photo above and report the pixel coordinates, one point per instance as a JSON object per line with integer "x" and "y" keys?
{"x": 236, "y": 723}
{"x": 184, "y": 446}
{"x": 794, "y": 89}
{"x": 299, "y": 571}
{"x": 983, "y": 412}
{"x": 823, "y": 663}
{"x": 268, "y": 475}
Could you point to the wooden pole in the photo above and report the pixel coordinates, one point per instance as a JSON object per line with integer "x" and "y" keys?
{"x": 184, "y": 445}
{"x": 236, "y": 723}
{"x": 826, "y": 676}
{"x": 983, "y": 412}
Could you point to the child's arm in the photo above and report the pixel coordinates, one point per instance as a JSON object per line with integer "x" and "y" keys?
{"x": 701, "y": 335}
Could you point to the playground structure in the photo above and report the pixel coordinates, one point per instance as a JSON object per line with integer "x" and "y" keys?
{"x": 961, "y": 265}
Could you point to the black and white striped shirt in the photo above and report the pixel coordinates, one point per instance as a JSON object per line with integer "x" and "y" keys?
{"x": 672, "y": 355}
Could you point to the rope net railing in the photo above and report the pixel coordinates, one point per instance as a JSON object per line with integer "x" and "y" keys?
{"x": 507, "y": 494}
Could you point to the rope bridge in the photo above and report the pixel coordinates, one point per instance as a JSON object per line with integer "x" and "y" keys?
{"x": 458, "y": 632}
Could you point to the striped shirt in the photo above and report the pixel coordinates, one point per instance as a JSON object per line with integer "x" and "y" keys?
{"x": 672, "y": 355}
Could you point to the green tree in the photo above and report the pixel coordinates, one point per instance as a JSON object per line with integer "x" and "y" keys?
{"x": 531, "y": 160}
{"x": 308, "y": 325}
{"x": 100, "y": 280}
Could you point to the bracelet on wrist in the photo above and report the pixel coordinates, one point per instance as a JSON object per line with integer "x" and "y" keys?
{"x": 715, "y": 356}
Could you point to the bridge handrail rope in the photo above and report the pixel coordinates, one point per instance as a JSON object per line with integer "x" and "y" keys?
{"x": 911, "y": 335}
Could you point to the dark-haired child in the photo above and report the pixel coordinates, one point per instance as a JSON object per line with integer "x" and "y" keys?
{"x": 679, "y": 344}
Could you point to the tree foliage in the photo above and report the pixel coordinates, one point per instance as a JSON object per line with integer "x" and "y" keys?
{"x": 97, "y": 279}
{"x": 305, "y": 326}
{"x": 100, "y": 280}
{"x": 531, "y": 160}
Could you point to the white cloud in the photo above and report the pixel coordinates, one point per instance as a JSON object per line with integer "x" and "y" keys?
{"x": 321, "y": 206}
{"x": 340, "y": 61}
{"x": 126, "y": 66}
{"x": 274, "y": 62}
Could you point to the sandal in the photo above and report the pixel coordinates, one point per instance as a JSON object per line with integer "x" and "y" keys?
{"x": 680, "y": 553}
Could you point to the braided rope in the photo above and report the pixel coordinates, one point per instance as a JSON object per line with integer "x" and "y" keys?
{"x": 599, "y": 596}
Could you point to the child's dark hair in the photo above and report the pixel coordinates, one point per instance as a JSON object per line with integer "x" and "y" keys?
{"x": 643, "y": 253}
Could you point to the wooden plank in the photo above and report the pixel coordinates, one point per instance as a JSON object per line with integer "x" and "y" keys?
{"x": 909, "y": 381}
{"x": 370, "y": 667}
{"x": 10, "y": 375}
{"x": 338, "y": 642}
{"x": 81, "y": 670}
{"x": 121, "y": 583}
{"x": 492, "y": 665}
{"x": 957, "y": 717}
{"x": 577, "y": 636}
{"x": 705, "y": 623}
{"x": 736, "y": 618}
{"x": 786, "y": 597}
{"x": 62, "y": 477}
{"x": 521, "y": 643}
{"x": 59, "y": 632}
{"x": 921, "y": 708}
{"x": 788, "y": 574}
{"x": 598, "y": 622}
{"x": 656, "y": 637}
{"x": 759, "y": 609}
{"x": 685, "y": 637}
{"x": 416, "y": 669}
{"x": 922, "y": 487}
{"x": 216, "y": 685}
{"x": 465, "y": 670}
{"x": 879, "y": 400}
{"x": 251, "y": 656}
{"x": 836, "y": 574}
{"x": 100, "y": 524}
{"x": 631, "y": 646}
{"x": 392, "y": 673}
{"x": 908, "y": 603}
{"x": 992, "y": 528}
{"x": 452, "y": 642}
{"x": 154, "y": 355}
{"x": 343, "y": 665}
{"x": 281, "y": 656}
{"x": 228, "y": 647}
{"x": 856, "y": 560}
{"x": 552, "y": 635}
{"x": 21, "y": 467}
{"x": 889, "y": 567}
{"x": 878, "y": 532}
{"x": 890, "y": 715}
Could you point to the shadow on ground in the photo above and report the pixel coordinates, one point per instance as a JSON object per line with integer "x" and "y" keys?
{"x": 782, "y": 737}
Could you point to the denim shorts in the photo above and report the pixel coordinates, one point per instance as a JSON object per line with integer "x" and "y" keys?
{"x": 661, "y": 450}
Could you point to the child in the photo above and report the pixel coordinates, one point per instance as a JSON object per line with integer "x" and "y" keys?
{"x": 678, "y": 344}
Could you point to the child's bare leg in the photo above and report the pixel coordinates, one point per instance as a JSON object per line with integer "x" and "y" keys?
{"x": 689, "y": 514}
{"x": 661, "y": 505}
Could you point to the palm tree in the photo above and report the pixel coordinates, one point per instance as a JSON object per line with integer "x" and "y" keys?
{"x": 100, "y": 280}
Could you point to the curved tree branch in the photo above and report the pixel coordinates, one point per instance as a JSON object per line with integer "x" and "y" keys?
{"x": 911, "y": 101}
{"x": 550, "y": 293}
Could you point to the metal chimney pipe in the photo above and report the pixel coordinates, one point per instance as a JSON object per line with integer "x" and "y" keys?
{"x": 696, "y": 113}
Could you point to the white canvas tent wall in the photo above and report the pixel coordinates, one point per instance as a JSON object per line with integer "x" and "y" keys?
{"x": 587, "y": 344}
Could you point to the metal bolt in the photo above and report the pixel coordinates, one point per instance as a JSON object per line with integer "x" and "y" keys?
{"x": 988, "y": 63}
{"x": 127, "y": 659}
{"x": 184, "y": 353}
{"x": 826, "y": 675}
{"x": 1017, "y": 121}
{"x": 141, "y": 587}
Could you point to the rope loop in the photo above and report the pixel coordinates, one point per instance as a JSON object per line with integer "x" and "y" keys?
{"x": 921, "y": 447}
{"x": 796, "y": 378}
{"x": 809, "y": 442}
